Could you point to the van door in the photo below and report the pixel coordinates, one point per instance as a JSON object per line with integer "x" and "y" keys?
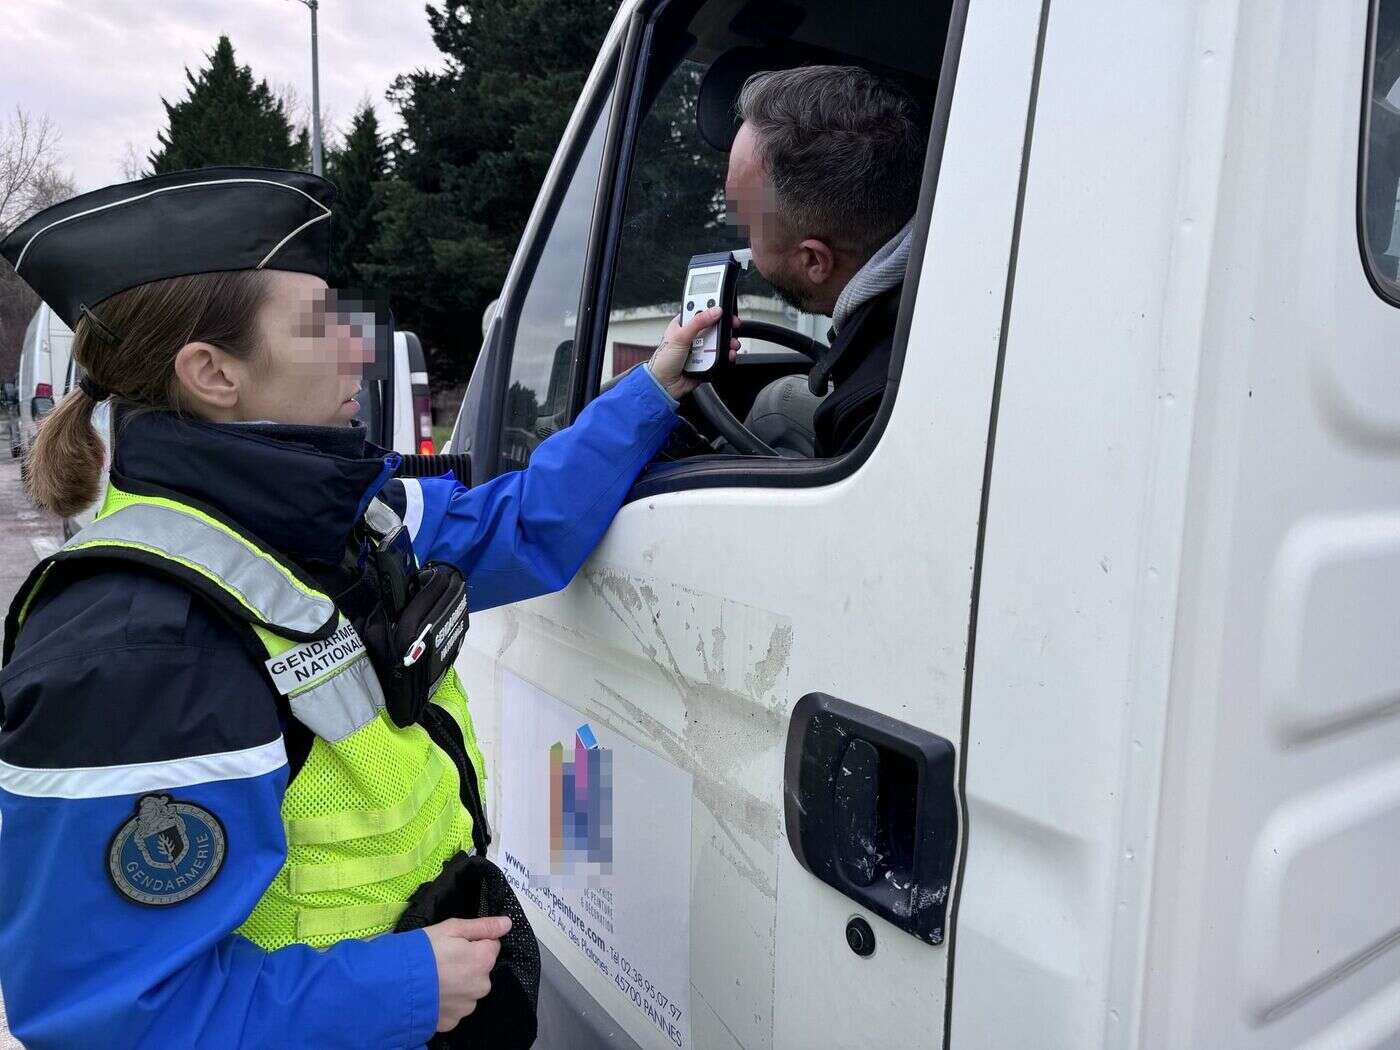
{"x": 646, "y": 729}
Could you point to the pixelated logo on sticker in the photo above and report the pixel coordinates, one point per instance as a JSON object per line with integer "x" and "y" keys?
{"x": 581, "y": 807}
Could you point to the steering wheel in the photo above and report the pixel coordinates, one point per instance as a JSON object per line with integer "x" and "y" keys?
{"x": 717, "y": 413}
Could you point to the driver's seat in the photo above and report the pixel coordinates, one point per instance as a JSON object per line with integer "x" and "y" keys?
{"x": 784, "y": 417}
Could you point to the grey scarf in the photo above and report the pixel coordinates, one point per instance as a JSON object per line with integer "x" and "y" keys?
{"x": 882, "y": 271}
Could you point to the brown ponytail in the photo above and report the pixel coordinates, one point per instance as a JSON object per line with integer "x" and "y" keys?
{"x": 153, "y": 321}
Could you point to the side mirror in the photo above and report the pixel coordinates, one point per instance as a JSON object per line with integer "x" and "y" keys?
{"x": 489, "y": 314}
{"x": 39, "y": 407}
{"x": 561, "y": 371}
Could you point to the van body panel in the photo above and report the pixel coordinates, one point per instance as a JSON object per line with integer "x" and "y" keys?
{"x": 1129, "y": 540}
{"x": 1181, "y": 780}
{"x": 1285, "y": 809}
{"x": 1083, "y": 528}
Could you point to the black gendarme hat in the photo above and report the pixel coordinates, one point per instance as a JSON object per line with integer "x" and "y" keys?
{"x": 78, "y": 253}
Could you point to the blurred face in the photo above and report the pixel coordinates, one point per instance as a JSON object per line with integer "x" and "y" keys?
{"x": 753, "y": 205}
{"x": 316, "y": 353}
{"x": 315, "y": 350}
{"x": 803, "y": 271}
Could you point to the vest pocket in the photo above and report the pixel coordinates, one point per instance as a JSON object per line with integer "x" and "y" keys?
{"x": 360, "y": 823}
{"x": 360, "y": 871}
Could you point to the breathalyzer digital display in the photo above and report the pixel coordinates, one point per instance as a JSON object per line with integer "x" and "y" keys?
{"x": 704, "y": 282}
{"x": 711, "y": 280}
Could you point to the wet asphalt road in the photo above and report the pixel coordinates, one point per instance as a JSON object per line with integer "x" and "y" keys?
{"x": 26, "y": 535}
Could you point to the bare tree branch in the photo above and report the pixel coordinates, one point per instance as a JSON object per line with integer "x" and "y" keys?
{"x": 30, "y": 179}
{"x": 298, "y": 111}
{"x": 133, "y": 163}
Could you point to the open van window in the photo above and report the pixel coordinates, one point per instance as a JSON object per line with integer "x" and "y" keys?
{"x": 693, "y": 64}
{"x": 642, "y": 189}
{"x": 676, "y": 208}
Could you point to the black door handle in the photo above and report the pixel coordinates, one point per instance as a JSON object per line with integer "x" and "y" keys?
{"x": 871, "y": 810}
{"x": 855, "y": 800}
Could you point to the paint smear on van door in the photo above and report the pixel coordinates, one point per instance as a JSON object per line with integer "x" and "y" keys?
{"x": 701, "y": 683}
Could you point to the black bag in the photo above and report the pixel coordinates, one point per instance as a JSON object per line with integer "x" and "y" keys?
{"x": 413, "y": 648}
{"x": 472, "y": 888}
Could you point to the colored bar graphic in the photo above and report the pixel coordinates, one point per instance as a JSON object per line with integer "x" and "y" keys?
{"x": 580, "y": 806}
{"x": 556, "y": 800}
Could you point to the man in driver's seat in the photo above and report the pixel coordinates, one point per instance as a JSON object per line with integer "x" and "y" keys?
{"x": 824, "y": 174}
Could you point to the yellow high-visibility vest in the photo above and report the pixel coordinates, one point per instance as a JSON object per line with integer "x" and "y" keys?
{"x": 376, "y": 810}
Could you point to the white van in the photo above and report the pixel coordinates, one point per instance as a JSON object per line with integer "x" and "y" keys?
{"x": 404, "y": 421}
{"x": 413, "y": 407}
{"x": 43, "y": 365}
{"x": 1104, "y": 603}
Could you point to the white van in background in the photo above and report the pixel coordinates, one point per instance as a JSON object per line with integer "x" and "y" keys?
{"x": 1063, "y": 711}
{"x": 43, "y": 368}
{"x": 413, "y": 406}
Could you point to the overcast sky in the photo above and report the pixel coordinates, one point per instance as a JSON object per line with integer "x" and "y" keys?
{"x": 99, "y": 68}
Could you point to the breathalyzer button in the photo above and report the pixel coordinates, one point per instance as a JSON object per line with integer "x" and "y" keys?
{"x": 710, "y": 304}
{"x": 690, "y": 305}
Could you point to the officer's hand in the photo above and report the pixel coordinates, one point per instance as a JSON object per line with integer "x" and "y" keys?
{"x": 465, "y": 951}
{"x": 669, "y": 359}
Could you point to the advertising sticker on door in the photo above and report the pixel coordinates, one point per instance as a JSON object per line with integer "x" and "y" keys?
{"x": 595, "y": 832}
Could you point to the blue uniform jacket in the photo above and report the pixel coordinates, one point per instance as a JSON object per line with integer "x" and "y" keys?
{"x": 124, "y": 684}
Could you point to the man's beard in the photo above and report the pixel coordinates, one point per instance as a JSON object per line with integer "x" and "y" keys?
{"x": 790, "y": 292}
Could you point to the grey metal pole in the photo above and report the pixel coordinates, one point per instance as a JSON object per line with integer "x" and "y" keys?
{"x": 316, "y": 164}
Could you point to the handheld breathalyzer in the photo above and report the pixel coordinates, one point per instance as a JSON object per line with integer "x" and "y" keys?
{"x": 711, "y": 280}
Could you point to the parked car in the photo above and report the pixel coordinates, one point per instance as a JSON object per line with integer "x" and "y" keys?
{"x": 43, "y": 365}
{"x": 413, "y": 407}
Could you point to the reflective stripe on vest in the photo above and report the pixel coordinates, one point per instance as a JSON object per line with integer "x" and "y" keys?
{"x": 375, "y": 810}
{"x": 333, "y": 703}
{"x": 261, "y": 584}
{"x": 325, "y": 924}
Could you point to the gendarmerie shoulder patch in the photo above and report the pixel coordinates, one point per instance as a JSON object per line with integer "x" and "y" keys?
{"x": 303, "y": 664}
{"x": 167, "y": 852}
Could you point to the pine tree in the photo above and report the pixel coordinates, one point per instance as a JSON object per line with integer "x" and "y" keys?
{"x": 358, "y": 168}
{"x": 476, "y": 141}
{"x": 227, "y": 118}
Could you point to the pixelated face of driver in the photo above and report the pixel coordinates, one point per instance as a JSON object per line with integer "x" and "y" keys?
{"x": 752, "y": 206}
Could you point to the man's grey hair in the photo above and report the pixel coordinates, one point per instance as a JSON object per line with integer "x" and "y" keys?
{"x": 844, "y": 150}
